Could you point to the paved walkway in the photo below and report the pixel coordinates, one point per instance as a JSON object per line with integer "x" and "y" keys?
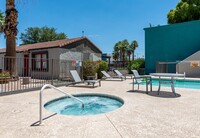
{"x": 141, "y": 116}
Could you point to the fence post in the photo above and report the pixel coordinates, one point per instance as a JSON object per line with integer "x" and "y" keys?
{"x": 51, "y": 71}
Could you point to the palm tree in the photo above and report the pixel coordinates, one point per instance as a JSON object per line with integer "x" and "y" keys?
{"x": 117, "y": 49}
{"x": 129, "y": 52}
{"x": 133, "y": 46}
{"x": 124, "y": 47}
{"x": 2, "y": 20}
{"x": 10, "y": 31}
{"x": 115, "y": 55}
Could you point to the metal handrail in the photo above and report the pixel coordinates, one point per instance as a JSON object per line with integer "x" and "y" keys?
{"x": 59, "y": 90}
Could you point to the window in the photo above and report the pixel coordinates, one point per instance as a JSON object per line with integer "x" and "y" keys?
{"x": 40, "y": 61}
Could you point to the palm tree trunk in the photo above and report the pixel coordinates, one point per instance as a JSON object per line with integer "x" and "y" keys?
{"x": 133, "y": 56}
{"x": 10, "y": 32}
{"x": 123, "y": 59}
{"x": 10, "y": 56}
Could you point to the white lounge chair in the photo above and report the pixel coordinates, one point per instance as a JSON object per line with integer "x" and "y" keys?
{"x": 77, "y": 79}
{"x": 119, "y": 73}
{"x": 107, "y": 76}
{"x": 139, "y": 80}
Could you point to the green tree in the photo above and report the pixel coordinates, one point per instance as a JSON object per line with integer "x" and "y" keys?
{"x": 124, "y": 47}
{"x": 120, "y": 50}
{"x": 133, "y": 46}
{"x": 129, "y": 52}
{"x": 43, "y": 34}
{"x": 115, "y": 55}
{"x": 117, "y": 51}
{"x": 186, "y": 10}
{"x": 2, "y": 21}
{"x": 136, "y": 64}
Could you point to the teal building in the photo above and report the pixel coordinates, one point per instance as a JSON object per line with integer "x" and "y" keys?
{"x": 170, "y": 43}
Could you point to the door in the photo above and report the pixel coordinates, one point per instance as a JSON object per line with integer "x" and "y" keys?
{"x": 26, "y": 65}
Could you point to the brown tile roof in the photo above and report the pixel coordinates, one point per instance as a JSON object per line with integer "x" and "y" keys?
{"x": 50, "y": 44}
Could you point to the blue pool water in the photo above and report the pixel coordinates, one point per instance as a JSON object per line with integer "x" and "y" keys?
{"x": 94, "y": 104}
{"x": 182, "y": 83}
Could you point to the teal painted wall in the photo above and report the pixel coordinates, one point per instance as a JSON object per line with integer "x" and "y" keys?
{"x": 170, "y": 43}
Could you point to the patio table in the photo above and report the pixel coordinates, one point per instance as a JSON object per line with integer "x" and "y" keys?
{"x": 170, "y": 75}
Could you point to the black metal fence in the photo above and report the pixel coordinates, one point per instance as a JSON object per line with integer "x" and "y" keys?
{"x": 32, "y": 73}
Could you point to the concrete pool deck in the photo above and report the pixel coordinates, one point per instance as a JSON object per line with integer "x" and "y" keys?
{"x": 142, "y": 115}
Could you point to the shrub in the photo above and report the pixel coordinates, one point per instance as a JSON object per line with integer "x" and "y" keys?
{"x": 4, "y": 74}
{"x": 103, "y": 65}
{"x": 90, "y": 68}
{"x": 136, "y": 64}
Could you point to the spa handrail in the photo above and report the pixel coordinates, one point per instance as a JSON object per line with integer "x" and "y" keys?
{"x": 59, "y": 90}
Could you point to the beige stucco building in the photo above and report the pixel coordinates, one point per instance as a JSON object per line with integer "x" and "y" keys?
{"x": 54, "y": 58}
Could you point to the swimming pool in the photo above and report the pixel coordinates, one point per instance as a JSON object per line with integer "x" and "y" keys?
{"x": 179, "y": 83}
{"x": 93, "y": 104}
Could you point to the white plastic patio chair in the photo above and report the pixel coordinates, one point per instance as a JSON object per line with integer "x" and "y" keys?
{"x": 119, "y": 73}
{"x": 139, "y": 80}
{"x": 77, "y": 79}
{"x": 107, "y": 76}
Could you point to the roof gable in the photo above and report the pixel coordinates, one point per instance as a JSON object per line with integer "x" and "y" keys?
{"x": 50, "y": 44}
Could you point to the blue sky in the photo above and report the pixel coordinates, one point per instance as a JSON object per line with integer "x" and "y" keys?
{"x": 104, "y": 22}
